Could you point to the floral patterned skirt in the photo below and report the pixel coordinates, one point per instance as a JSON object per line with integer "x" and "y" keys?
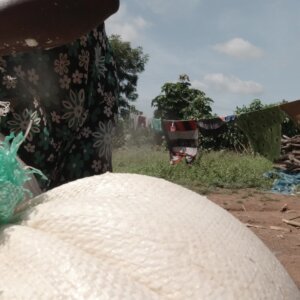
{"x": 70, "y": 94}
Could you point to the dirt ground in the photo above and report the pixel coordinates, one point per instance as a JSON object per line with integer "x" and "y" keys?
{"x": 263, "y": 213}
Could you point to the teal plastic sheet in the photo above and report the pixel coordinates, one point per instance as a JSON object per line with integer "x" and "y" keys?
{"x": 12, "y": 176}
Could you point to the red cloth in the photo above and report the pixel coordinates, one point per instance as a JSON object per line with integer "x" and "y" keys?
{"x": 141, "y": 121}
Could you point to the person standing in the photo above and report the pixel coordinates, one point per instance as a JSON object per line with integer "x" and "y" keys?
{"x": 58, "y": 72}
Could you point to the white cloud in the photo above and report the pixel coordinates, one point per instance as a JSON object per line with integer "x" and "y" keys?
{"x": 230, "y": 84}
{"x": 129, "y": 27}
{"x": 239, "y": 48}
{"x": 198, "y": 84}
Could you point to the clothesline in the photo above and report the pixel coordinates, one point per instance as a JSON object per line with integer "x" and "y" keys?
{"x": 262, "y": 127}
{"x": 292, "y": 110}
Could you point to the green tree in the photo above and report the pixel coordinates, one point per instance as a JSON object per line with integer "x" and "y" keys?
{"x": 233, "y": 138}
{"x": 256, "y": 104}
{"x": 288, "y": 126}
{"x": 130, "y": 62}
{"x": 180, "y": 101}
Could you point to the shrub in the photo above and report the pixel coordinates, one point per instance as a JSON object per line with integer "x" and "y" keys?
{"x": 212, "y": 169}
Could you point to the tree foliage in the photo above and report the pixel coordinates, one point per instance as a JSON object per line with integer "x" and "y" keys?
{"x": 130, "y": 62}
{"x": 288, "y": 127}
{"x": 256, "y": 104}
{"x": 180, "y": 101}
{"x": 234, "y": 138}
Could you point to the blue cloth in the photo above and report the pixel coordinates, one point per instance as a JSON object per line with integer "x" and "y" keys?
{"x": 156, "y": 125}
{"x": 285, "y": 183}
{"x": 230, "y": 118}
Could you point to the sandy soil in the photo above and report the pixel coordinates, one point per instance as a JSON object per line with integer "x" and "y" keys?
{"x": 263, "y": 212}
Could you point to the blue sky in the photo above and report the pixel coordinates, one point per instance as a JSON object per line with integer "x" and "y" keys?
{"x": 233, "y": 50}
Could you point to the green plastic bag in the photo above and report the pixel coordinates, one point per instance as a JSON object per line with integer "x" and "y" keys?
{"x": 12, "y": 176}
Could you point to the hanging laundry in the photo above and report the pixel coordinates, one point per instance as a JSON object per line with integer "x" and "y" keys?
{"x": 141, "y": 123}
{"x": 230, "y": 118}
{"x": 156, "y": 125}
{"x": 210, "y": 124}
{"x": 211, "y": 127}
{"x": 293, "y": 110}
{"x": 148, "y": 123}
{"x": 182, "y": 140}
{"x": 263, "y": 129}
{"x": 134, "y": 121}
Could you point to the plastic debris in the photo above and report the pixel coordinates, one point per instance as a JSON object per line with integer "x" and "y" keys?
{"x": 12, "y": 176}
{"x": 285, "y": 183}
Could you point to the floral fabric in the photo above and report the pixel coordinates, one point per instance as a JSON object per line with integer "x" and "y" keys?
{"x": 70, "y": 94}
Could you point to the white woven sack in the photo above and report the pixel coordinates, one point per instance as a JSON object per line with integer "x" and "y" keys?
{"x": 125, "y": 236}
